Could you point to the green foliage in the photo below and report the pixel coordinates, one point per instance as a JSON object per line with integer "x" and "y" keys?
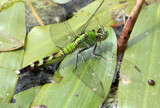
{"x": 143, "y": 50}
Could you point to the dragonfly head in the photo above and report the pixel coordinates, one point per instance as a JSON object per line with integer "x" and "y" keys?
{"x": 101, "y": 34}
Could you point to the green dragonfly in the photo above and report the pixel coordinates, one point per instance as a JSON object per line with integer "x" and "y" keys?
{"x": 82, "y": 39}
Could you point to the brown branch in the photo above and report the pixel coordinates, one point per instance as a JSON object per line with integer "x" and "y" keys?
{"x": 125, "y": 34}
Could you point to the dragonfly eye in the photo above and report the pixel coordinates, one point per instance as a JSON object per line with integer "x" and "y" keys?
{"x": 99, "y": 30}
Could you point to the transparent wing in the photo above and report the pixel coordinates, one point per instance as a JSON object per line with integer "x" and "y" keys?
{"x": 87, "y": 75}
{"x": 62, "y": 33}
{"x": 129, "y": 72}
{"x": 84, "y": 26}
{"x": 88, "y": 66}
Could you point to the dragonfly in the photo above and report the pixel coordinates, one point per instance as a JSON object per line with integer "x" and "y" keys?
{"x": 81, "y": 39}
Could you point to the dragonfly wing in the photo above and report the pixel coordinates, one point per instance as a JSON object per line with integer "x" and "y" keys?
{"x": 87, "y": 75}
{"x": 60, "y": 34}
{"x": 84, "y": 26}
{"x": 130, "y": 72}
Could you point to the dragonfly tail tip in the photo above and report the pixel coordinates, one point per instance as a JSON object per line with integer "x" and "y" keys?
{"x": 18, "y": 72}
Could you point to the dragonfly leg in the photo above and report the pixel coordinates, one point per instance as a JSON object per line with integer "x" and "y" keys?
{"x": 78, "y": 56}
{"x": 94, "y": 51}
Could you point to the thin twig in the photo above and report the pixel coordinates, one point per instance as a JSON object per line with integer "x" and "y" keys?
{"x": 35, "y": 13}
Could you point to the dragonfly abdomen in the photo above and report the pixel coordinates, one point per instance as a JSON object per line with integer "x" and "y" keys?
{"x": 69, "y": 48}
{"x": 65, "y": 51}
{"x": 37, "y": 63}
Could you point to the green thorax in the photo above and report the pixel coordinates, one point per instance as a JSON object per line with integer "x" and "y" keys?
{"x": 85, "y": 39}
{"x": 91, "y": 37}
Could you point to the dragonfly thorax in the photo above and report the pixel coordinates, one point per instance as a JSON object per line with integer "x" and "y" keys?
{"x": 101, "y": 34}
